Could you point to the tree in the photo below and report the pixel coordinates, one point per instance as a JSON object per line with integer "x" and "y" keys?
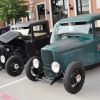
{"x": 10, "y": 9}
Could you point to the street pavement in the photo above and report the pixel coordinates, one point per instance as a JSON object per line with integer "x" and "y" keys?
{"x": 21, "y": 88}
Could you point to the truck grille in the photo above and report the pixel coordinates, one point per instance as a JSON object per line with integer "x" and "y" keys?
{"x": 1, "y": 50}
{"x": 47, "y": 57}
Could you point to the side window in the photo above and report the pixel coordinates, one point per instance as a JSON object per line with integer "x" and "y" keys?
{"x": 39, "y": 30}
{"x": 97, "y": 28}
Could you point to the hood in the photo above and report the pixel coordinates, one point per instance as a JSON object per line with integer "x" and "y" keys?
{"x": 8, "y": 36}
{"x": 64, "y": 45}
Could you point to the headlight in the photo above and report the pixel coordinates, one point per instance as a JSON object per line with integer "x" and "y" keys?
{"x": 55, "y": 67}
{"x": 7, "y": 49}
{"x": 36, "y": 63}
{"x": 2, "y": 58}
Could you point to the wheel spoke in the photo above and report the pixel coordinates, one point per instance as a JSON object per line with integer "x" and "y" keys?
{"x": 75, "y": 78}
{"x": 32, "y": 71}
{"x": 12, "y": 66}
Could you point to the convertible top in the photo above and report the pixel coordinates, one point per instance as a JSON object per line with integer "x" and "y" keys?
{"x": 27, "y": 24}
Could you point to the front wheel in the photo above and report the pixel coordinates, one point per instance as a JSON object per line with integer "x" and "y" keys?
{"x": 74, "y": 77}
{"x": 14, "y": 66}
{"x": 33, "y": 71}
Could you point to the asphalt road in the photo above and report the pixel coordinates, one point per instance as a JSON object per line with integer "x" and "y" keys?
{"x": 21, "y": 88}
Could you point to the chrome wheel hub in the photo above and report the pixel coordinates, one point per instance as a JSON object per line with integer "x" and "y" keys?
{"x": 16, "y": 66}
{"x": 78, "y": 78}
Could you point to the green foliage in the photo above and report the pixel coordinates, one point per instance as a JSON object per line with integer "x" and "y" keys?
{"x": 10, "y": 9}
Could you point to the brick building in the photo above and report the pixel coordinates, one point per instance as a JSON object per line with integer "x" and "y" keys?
{"x": 54, "y": 10}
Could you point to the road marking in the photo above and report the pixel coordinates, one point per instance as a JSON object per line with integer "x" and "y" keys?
{"x": 12, "y": 82}
{"x": 6, "y": 97}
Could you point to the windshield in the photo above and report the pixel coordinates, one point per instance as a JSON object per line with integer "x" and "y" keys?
{"x": 23, "y": 31}
{"x": 68, "y": 28}
{"x": 74, "y": 29}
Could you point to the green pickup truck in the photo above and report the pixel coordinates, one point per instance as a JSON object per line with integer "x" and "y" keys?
{"x": 74, "y": 46}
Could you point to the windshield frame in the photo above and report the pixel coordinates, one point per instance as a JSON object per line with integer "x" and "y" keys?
{"x": 56, "y": 37}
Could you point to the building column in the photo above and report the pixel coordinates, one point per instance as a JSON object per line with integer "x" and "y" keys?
{"x": 51, "y": 18}
{"x": 68, "y": 9}
{"x": 31, "y": 8}
{"x": 75, "y": 11}
{"x": 13, "y": 21}
{"x": 90, "y": 6}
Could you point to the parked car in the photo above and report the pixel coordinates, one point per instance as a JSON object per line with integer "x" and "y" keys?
{"x": 75, "y": 46}
{"x": 4, "y": 29}
{"x": 22, "y": 42}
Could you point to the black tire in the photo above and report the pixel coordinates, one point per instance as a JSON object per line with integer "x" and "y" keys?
{"x": 74, "y": 70}
{"x": 11, "y": 63}
{"x": 32, "y": 72}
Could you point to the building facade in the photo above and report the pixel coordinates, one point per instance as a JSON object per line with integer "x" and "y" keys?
{"x": 54, "y": 10}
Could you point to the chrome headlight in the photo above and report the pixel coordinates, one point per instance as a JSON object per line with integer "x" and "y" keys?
{"x": 55, "y": 67}
{"x": 36, "y": 63}
{"x": 2, "y": 58}
{"x": 7, "y": 49}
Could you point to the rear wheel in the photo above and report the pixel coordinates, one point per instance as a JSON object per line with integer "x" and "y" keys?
{"x": 31, "y": 72}
{"x": 14, "y": 66}
{"x": 74, "y": 77}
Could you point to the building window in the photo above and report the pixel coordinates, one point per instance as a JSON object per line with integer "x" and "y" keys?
{"x": 41, "y": 11}
{"x": 82, "y": 7}
{"x": 58, "y": 4}
{"x": 59, "y": 10}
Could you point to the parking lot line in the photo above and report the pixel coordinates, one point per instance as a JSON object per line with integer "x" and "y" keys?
{"x": 12, "y": 82}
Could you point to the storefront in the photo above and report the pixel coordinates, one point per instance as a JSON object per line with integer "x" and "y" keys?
{"x": 54, "y": 10}
{"x": 59, "y": 10}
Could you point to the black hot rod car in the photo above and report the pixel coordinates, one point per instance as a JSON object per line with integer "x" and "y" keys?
{"x": 23, "y": 41}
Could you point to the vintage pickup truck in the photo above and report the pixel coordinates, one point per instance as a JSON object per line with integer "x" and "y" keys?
{"x": 24, "y": 41}
{"x": 75, "y": 46}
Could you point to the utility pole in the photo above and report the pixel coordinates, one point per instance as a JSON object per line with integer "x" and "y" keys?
{"x": 31, "y": 8}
